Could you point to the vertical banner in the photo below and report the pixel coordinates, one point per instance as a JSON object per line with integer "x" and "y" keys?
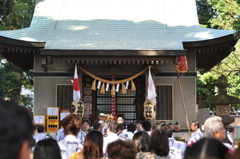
{"x": 151, "y": 94}
{"x": 150, "y": 103}
{"x": 76, "y": 88}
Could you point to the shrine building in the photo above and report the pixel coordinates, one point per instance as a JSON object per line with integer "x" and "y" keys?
{"x": 116, "y": 40}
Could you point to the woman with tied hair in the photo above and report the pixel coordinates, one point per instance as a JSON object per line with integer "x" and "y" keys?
{"x": 47, "y": 149}
{"x": 143, "y": 143}
{"x": 160, "y": 145}
{"x": 207, "y": 148}
{"x": 70, "y": 144}
{"x": 120, "y": 149}
{"x": 92, "y": 147}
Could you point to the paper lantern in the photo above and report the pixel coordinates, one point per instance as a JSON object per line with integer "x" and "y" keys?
{"x": 182, "y": 65}
{"x": 149, "y": 109}
{"x": 77, "y": 108}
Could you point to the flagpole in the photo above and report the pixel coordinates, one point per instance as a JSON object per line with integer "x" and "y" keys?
{"x": 184, "y": 106}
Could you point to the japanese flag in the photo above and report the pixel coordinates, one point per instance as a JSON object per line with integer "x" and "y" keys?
{"x": 76, "y": 88}
{"x": 151, "y": 94}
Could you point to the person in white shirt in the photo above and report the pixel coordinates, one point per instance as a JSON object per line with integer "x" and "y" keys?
{"x": 111, "y": 136}
{"x": 120, "y": 120}
{"x": 147, "y": 127}
{"x": 161, "y": 147}
{"x": 60, "y": 134}
{"x": 197, "y": 134}
{"x": 130, "y": 131}
{"x": 214, "y": 128}
{"x": 143, "y": 144}
{"x": 97, "y": 126}
{"x": 102, "y": 118}
{"x": 139, "y": 127}
{"x": 84, "y": 131}
{"x": 70, "y": 144}
{"x": 174, "y": 145}
{"x": 121, "y": 130}
{"x": 40, "y": 135}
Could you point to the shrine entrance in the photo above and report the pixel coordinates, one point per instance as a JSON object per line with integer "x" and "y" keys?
{"x": 128, "y": 106}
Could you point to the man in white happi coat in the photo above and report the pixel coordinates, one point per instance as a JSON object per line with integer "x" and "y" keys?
{"x": 214, "y": 128}
{"x": 197, "y": 134}
{"x": 111, "y": 136}
{"x": 139, "y": 127}
{"x": 176, "y": 147}
{"x": 84, "y": 130}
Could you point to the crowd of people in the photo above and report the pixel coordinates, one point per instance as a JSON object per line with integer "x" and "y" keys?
{"x": 79, "y": 139}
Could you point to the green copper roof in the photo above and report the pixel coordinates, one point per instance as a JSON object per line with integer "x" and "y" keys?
{"x": 115, "y": 25}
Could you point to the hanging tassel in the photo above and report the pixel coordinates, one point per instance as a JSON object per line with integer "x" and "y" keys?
{"x": 99, "y": 84}
{"x": 124, "y": 91}
{"x": 127, "y": 84}
{"x": 102, "y": 91}
{"x": 133, "y": 86}
{"x": 113, "y": 93}
{"x": 107, "y": 86}
{"x": 94, "y": 85}
{"x": 117, "y": 87}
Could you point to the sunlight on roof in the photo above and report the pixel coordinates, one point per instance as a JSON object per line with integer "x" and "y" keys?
{"x": 78, "y": 27}
{"x": 205, "y": 34}
{"x": 27, "y": 39}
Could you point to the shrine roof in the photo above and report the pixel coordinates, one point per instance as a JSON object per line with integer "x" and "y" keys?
{"x": 115, "y": 25}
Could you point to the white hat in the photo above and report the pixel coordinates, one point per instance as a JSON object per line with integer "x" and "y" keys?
{"x": 102, "y": 114}
{"x": 101, "y": 122}
{"x": 120, "y": 120}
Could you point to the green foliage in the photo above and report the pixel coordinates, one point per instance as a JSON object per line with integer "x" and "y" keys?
{"x": 220, "y": 14}
{"x": 12, "y": 78}
{"x": 15, "y": 14}
{"x": 26, "y": 101}
{"x": 230, "y": 67}
{"x": 5, "y": 7}
{"x": 205, "y": 12}
{"x": 227, "y": 14}
{"x": 20, "y": 17}
{"x": 206, "y": 86}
